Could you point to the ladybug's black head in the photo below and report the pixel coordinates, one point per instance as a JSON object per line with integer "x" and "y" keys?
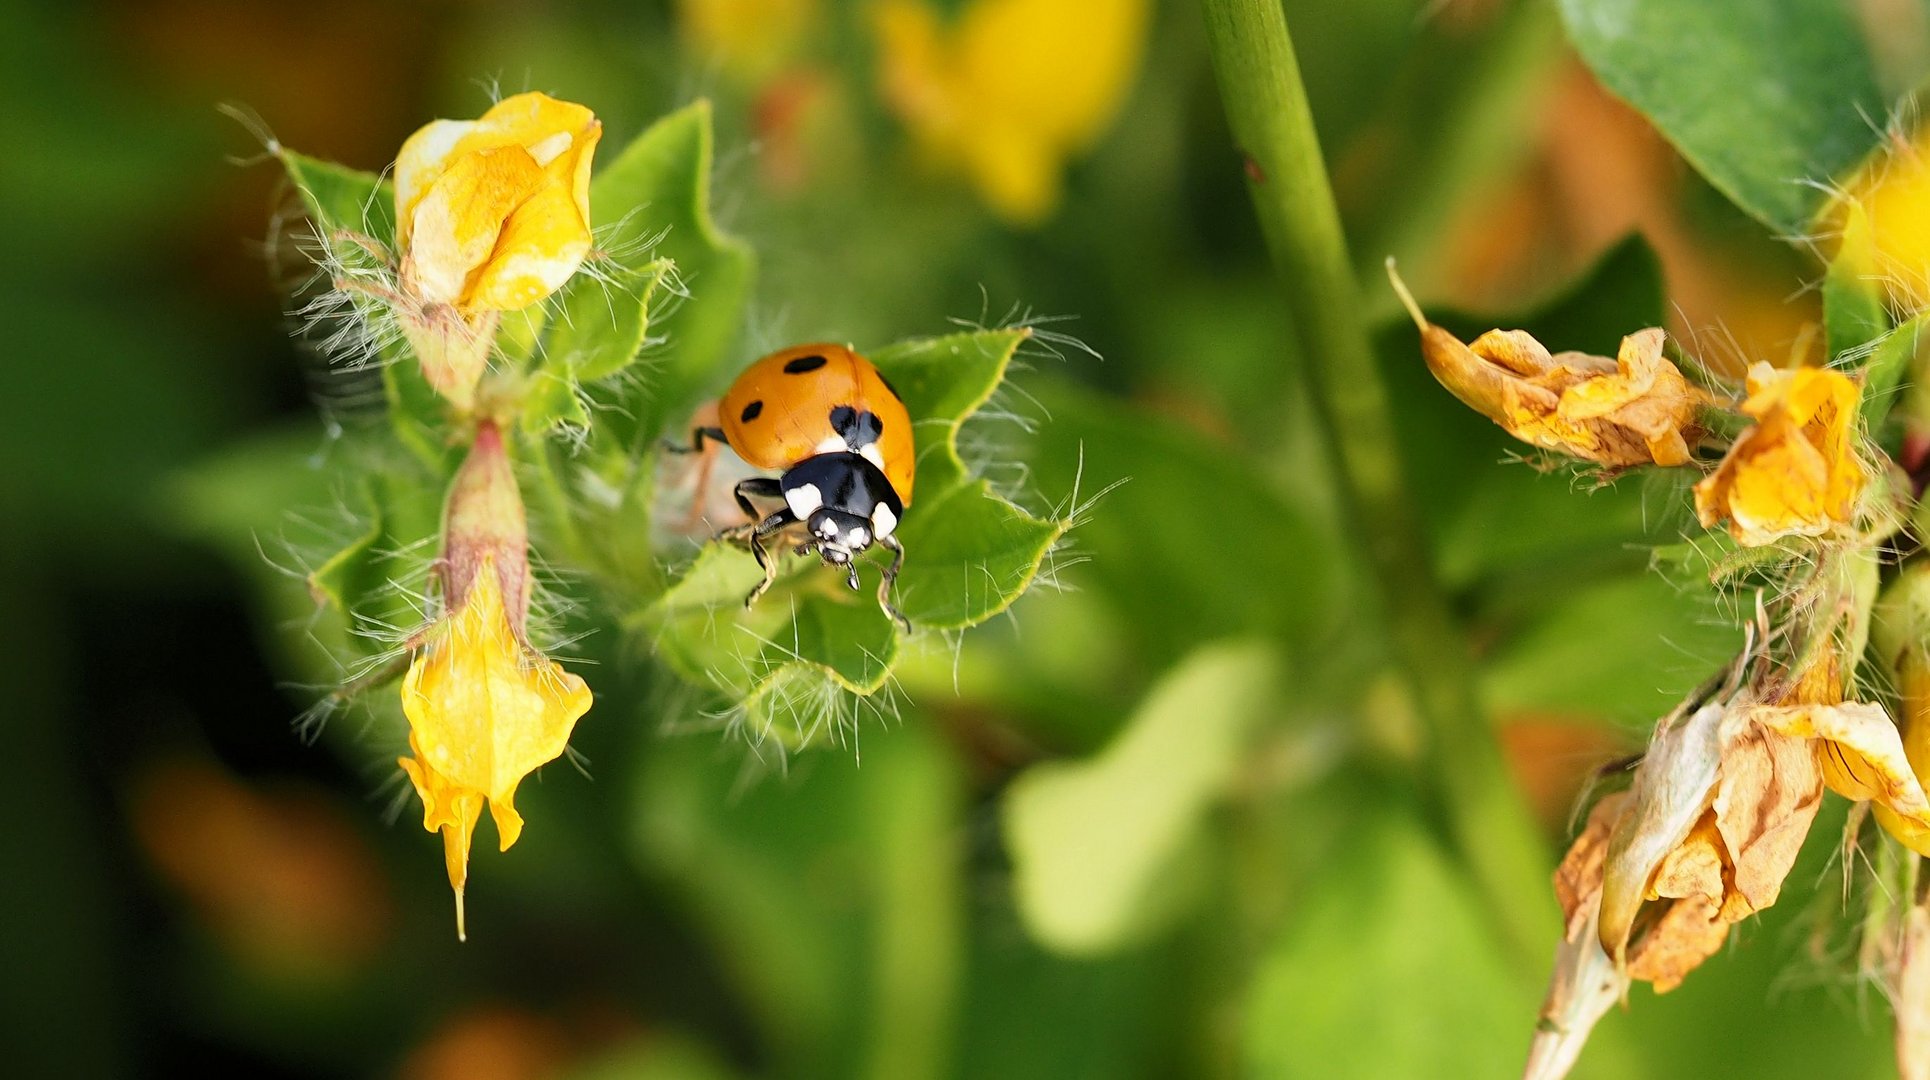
{"x": 840, "y": 536}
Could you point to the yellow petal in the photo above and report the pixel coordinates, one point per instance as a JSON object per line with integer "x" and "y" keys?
{"x": 494, "y": 213}
{"x": 451, "y": 811}
{"x": 1862, "y": 757}
{"x": 541, "y": 245}
{"x": 1010, "y": 90}
{"x": 461, "y": 216}
{"x": 484, "y": 712}
{"x": 1795, "y": 473}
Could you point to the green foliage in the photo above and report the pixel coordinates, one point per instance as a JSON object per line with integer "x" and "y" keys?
{"x": 1767, "y": 98}
{"x": 660, "y": 186}
{"x": 1095, "y": 843}
{"x": 1393, "y": 943}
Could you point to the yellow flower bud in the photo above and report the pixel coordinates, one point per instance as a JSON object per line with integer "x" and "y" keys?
{"x": 1795, "y": 472}
{"x": 492, "y": 215}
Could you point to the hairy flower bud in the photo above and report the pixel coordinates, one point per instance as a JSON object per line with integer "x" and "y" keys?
{"x": 492, "y": 215}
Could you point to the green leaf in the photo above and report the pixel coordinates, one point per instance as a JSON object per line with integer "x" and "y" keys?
{"x": 1764, "y": 97}
{"x": 1853, "y": 311}
{"x": 341, "y": 198}
{"x": 1387, "y": 970}
{"x": 1890, "y": 360}
{"x": 834, "y": 904}
{"x": 334, "y": 557}
{"x": 603, "y": 322}
{"x": 1195, "y": 544}
{"x": 1094, "y": 843}
{"x": 661, "y": 182}
{"x": 342, "y": 201}
{"x": 942, "y": 381}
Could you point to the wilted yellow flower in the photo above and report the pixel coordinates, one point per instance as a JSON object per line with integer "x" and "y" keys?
{"x": 492, "y": 215}
{"x": 1795, "y": 472}
{"x": 1620, "y": 413}
{"x": 1719, "y": 808}
{"x": 1881, "y": 218}
{"x": 484, "y": 708}
{"x": 1009, "y": 90}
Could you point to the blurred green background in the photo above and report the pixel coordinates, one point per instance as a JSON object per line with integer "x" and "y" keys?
{"x": 1155, "y": 825}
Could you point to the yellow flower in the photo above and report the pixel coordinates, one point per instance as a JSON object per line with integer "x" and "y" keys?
{"x": 484, "y": 711}
{"x": 484, "y": 708}
{"x": 751, "y": 39}
{"x": 1011, "y": 89}
{"x": 1881, "y": 219}
{"x": 494, "y": 214}
{"x": 1795, "y": 472}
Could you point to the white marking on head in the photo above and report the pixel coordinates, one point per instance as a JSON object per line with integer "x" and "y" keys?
{"x": 858, "y": 537}
{"x": 828, "y": 529}
{"x": 804, "y": 500}
{"x": 883, "y": 520}
{"x": 870, "y": 452}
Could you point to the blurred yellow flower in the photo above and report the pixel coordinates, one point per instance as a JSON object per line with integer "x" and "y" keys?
{"x": 1881, "y": 219}
{"x": 752, "y": 40}
{"x": 494, "y": 214}
{"x": 1795, "y": 472}
{"x": 1010, "y": 90}
{"x": 484, "y": 711}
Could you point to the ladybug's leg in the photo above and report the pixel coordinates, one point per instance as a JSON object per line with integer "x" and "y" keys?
{"x": 897, "y": 550}
{"x": 764, "y": 488}
{"x": 766, "y": 561}
{"x": 697, "y": 437}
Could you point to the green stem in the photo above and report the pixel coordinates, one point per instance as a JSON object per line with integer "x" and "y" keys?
{"x": 1267, "y": 111}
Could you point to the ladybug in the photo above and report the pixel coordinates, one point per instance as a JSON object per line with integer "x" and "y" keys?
{"x": 825, "y": 417}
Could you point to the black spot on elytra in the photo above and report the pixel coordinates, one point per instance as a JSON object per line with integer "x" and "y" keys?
{"x": 859, "y": 429}
{"x": 751, "y": 411}
{"x": 892, "y": 390}
{"x": 803, "y": 364}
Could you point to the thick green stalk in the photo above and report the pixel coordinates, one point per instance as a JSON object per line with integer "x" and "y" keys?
{"x": 1266, "y": 107}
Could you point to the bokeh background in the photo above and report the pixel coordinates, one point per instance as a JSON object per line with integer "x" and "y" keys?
{"x": 189, "y": 886}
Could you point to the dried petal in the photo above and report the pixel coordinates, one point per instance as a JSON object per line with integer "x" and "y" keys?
{"x": 1673, "y": 786}
{"x": 1687, "y": 933}
{"x": 1633, "y": 410}
{"x": 1861, "y": 757}
{"x": 1795, "y": 472}
{"x": 1770, "y": 792}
